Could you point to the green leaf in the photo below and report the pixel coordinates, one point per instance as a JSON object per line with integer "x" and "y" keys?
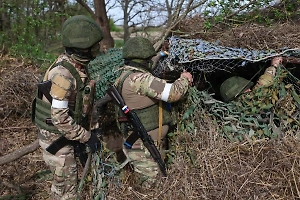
{"x": 296, "y": 96}
{"x": 190, "y": 127}
{"x": 267, "y": 107}
{"x": 282, "y": 91}
{"x": 171, "y": 134}
{"x": 189, "y": 112}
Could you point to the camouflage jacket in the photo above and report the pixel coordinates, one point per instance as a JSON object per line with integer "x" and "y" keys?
{"x": 63, "y": 92}
{"x": 141, "y": 89}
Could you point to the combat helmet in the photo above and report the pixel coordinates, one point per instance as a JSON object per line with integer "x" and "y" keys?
{"x": 138, "y": 48}
{"x": 80, "y": 32}
{"x": 234, "y": 86}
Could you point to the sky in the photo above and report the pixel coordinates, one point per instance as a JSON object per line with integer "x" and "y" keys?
{"x": 117, "y": 14}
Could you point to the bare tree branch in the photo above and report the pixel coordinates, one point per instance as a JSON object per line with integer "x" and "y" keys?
{"x": 19, "y": 153}
{"x": 83, "y": 4}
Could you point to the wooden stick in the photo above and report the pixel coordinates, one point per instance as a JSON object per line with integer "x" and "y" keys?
{"x": 19, "y": 152}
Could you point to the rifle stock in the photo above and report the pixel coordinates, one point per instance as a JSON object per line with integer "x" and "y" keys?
{"x": 138, "y": 127}
{"x": 44, "y": 89}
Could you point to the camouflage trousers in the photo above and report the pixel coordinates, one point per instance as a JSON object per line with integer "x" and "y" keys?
{"x": 64, "y": 169}
{"x": 142, "y": 160}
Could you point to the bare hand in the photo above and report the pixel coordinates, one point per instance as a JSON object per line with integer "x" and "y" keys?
{"x": 276, "y": 61}
{"x": 187, "y": 75}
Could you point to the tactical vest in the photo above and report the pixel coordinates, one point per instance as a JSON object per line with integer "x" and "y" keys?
{"x": 41, "y": 110}
{"x": 150, "y": 123}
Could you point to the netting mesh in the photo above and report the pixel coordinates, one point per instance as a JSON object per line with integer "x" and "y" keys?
{"x": 105, "y": 70}
{"x": 199, "y": 55}
{"x": 194, "y": 55}
{"x": 267, "y": 112}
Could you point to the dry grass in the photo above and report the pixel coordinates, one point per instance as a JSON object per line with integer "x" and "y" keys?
{"x": 206, "y": 166}
{"x": 250, "y": 36}
{"x": 209, "y": 167}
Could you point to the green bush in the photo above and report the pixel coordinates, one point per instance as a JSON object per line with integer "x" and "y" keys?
{"x": 119, "y": 43}
{"x": 113, "y": 27}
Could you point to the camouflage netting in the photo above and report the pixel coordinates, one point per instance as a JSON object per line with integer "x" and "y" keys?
{"x": 273, "y": 110}
{"x": 199, "y": 55}
{"x": 105, "y": 70}
{"x": 204, "y": 166}
{"x": 267, "y": 112}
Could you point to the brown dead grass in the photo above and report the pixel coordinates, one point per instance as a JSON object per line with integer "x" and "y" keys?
{"x": 205, "y": 167}
{"x": 250, "y": 36}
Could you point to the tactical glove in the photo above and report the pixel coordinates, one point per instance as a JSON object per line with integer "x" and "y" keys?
{"x": 93, "y": 143}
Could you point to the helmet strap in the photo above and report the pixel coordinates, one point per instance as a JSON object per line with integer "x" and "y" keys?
{"x": 82, "y": 53}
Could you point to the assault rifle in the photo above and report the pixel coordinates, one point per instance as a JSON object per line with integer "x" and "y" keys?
{"x": 44, "y": 89}
{"x": 138, "y": 128}
{"x": 79, "y": 148}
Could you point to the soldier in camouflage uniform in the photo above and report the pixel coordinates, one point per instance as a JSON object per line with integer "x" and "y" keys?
{"x": 234, "y": 86}
{"x": 62, "y": 114}
{"x": 142, "y": 92}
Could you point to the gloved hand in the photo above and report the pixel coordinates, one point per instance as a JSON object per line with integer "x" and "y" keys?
{"x": 93, "y": 143}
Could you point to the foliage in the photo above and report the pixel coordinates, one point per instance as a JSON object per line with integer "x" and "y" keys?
{"x": 113, "y": 26}
{"x": 239, "y": 12}
{"x": 31, "y": 32}
{"x": 119, "y": 43}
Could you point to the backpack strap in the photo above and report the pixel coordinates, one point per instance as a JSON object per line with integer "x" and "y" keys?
{"x": 80, "y": 86}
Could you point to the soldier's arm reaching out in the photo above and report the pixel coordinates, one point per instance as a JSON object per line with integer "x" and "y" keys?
{"x": 148, "y": 85}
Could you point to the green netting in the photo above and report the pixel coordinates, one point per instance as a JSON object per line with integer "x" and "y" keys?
{"x": 200, "y": 55}
{"x": 105, "y": 70}
{"x": 268, "y": 112}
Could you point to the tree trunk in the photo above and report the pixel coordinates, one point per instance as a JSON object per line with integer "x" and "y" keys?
{"x": 103, "y": 21}
{"x": 125, "y": 25}
{"x": 100, "y": 16}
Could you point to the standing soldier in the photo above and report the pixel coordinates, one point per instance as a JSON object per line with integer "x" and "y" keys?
{"x": 146, "y": 95}
{"x": 63, "y": 106}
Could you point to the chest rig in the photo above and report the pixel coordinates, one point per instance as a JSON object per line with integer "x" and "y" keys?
{"x": 80, "y": 112}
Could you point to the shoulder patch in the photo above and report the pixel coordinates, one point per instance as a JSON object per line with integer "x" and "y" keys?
{"x": 157, "y": 86}
{"x": 61, "y": 81}
{"x": 60, "y": 86}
